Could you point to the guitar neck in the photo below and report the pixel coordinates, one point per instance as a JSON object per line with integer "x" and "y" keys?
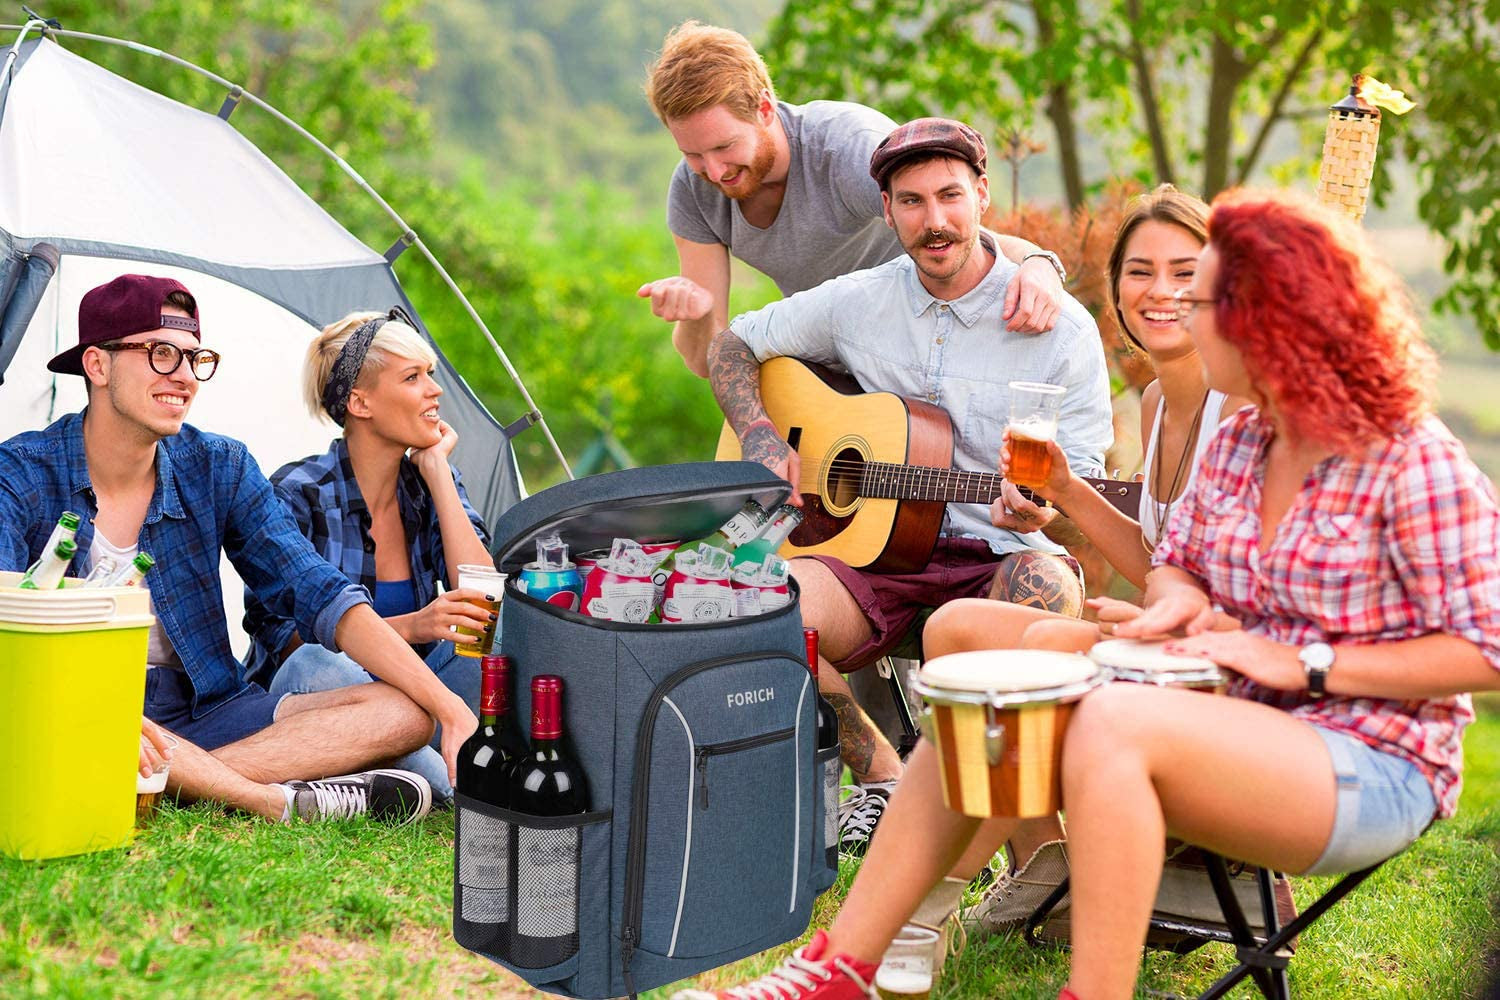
{"x": 887, "y": 480}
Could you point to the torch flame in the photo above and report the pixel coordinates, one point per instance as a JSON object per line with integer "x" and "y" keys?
{"x": 1372, "y": 91}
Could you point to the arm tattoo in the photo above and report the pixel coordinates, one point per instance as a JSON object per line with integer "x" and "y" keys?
{"x": 1038, "y": 580}
{"x": 857, "y": 735}
{"x": 735, "y": 376}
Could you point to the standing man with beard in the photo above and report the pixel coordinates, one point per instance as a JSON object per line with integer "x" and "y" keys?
{"x": 925, "y": 325}
{"x": 783, "y": 187}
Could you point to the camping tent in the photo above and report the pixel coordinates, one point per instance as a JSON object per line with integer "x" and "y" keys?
{"x": 99, "y": 177}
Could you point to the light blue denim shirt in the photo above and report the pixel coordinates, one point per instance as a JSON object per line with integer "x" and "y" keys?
{"x": 893, "y": 335}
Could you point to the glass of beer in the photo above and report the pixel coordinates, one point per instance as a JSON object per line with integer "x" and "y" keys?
{"x": 905, "y": 971}
{"x": 486, "y": 580}
{"x": 1033, "y": 422}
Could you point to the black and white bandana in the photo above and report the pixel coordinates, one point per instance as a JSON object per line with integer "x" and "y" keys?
{"x": 346, "y": 369}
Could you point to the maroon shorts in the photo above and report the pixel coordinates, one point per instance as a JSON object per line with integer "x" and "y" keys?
{"x": 891, "y": 602}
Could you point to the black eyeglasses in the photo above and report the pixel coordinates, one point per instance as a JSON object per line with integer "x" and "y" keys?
{"x": 165, "y": 357}
{"x": 1184, "y": 304}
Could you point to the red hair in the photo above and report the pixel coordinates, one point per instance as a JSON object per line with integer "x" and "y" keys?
{"x": 1326, "y": 331}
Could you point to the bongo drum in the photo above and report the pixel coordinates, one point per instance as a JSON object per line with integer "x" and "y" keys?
{"x": 997, "y": 718}
{"x": 1144, "y": 662}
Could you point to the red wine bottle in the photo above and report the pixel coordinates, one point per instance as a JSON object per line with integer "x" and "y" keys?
{"x": 833, "y": 767}
{"x": 547, "y": 781}
{"x": 486, "y": 759}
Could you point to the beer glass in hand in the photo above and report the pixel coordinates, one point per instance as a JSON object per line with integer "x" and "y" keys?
{"x": 486, "y": 580}
{"x": 1033, "y": 422}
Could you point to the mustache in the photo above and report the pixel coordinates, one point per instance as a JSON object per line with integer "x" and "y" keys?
{"x": 932, "y": 239}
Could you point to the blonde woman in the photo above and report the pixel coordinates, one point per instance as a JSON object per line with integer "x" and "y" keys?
{"x": 384, "y": 506}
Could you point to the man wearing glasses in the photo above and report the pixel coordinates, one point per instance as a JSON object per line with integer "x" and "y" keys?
{"x": 142, "y": 479}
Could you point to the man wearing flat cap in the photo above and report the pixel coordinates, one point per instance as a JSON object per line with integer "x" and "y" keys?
{"x": 926, "y": 325}
{"x": 783, "y": 187}
{"x": 145, "y": 481}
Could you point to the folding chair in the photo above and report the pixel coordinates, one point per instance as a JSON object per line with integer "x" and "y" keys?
{"x": 1261, "y": 958}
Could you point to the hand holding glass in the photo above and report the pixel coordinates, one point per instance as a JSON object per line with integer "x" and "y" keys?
{"x": 486, "y": 580}
{"x": 1034, "y": 409}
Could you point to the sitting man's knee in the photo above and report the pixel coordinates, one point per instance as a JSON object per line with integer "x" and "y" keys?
{"x": 1038, "y": 580}
{"x": 1062, "y": 635}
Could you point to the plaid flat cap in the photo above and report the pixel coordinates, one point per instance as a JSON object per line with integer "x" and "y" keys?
{"x": 927, "y": 135}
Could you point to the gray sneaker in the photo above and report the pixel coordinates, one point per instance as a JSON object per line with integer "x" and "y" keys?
{"x": 396, "y": 797}
{"x": 1014, "y": 896}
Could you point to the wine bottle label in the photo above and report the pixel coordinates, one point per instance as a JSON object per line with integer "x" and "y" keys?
{"x": 546, "y": 882}
{"x": 484, "y": 869}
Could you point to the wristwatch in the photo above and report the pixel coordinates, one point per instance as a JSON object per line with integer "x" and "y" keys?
{"x": 1051, "y": 258}
{"x": 1316, "y": 659}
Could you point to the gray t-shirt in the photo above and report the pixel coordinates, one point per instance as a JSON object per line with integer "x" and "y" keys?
{"x": 830, "y": 222}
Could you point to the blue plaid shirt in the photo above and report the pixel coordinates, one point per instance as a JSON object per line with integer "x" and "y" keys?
{"x": 210, "y": 497}
{"x": 324, "y": 499}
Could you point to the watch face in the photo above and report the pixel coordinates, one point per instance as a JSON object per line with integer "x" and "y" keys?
{"x": 1317, "y": 656}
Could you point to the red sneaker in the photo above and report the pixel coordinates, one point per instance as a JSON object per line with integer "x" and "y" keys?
{"x": 808, "y": 974}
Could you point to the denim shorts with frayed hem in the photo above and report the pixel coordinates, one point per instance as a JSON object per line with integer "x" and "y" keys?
{"x": 1384, "y": 803}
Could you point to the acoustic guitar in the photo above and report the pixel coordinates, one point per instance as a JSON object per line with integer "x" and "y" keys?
{"x": 876, "y": 468}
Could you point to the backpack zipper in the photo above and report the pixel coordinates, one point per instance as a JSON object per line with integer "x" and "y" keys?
{"x": 706, "y": 751}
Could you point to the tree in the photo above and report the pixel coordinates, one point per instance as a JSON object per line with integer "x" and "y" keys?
{"x": 1204, "y": 95}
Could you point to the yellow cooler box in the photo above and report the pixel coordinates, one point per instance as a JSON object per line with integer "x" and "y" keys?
{"x": 72, "y": 686}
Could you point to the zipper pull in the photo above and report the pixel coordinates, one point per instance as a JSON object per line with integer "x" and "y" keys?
{"x": 703, "y": 779}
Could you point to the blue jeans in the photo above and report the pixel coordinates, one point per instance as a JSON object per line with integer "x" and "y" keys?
{"x": 313, "y": 668}
{"x": 1383, "y": 805}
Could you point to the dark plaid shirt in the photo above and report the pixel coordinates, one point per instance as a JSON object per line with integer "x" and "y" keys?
{"x": 324, "y": 499}
{"x": 210, "y": 497}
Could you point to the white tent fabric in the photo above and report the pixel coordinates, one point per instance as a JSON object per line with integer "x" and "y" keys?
{"x": 124, "y": 165}
{"x": 120, "y": 179}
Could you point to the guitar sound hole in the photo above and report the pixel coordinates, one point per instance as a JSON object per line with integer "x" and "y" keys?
{"x": 843, "y": 477}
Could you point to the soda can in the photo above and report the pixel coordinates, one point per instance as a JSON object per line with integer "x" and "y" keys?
{"x": 562, "y": 587}
{"x": 618, "y": 597}
{"x": 659, "y": 550}
{"x": 587, "y": 560}
{"x": 694, "y": 595}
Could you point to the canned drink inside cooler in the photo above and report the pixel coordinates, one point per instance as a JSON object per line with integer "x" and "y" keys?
{"x": 698, "y": 589}
{"x": 620, "y": 588}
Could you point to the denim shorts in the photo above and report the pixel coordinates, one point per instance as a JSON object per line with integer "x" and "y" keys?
{"x": 1384, "y": 803}
{"x": 169, "y": 703}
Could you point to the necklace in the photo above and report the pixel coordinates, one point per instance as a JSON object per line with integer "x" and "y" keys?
{"x": 1184, "y": 461}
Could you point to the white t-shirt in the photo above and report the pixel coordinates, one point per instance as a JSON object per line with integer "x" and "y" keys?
{"x": 159, "y": 651}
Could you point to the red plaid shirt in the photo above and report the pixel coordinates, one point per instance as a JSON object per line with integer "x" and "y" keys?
{"x": 1396, "y": 543}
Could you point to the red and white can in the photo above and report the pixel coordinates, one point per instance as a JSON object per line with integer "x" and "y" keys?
{"x": 617, "y": 597}
{"x": 695, "y": 599}
{"x": 586, "y": 561}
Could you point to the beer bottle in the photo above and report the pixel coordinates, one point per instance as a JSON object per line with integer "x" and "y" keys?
{"x": 130, "y": 575}
{"x": 777, "y": 530}
{"x": 729, "y": 536}
{"x": 48, "y": 571}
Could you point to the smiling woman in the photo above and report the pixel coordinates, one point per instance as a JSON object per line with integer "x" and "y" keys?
{"x": 385, "y": 507}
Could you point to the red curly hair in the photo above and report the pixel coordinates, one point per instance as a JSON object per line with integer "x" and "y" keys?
{"x": 1325, "y": 329}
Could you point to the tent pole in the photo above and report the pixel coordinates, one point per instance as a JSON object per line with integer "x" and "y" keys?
{"x": 353, "y": 175}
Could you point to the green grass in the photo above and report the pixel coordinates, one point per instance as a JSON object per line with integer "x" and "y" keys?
{"x": 208, "y": 904}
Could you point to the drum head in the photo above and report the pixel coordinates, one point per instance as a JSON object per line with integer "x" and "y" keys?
{"x": 1007, "y": 670}
{"x": 1139, "y": 659}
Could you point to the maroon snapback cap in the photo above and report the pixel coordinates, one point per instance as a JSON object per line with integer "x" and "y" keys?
{"x": 927, "y": 135}
{"x": 132, "y": 303}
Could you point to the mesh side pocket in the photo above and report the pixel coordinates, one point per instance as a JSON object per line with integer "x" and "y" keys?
{"x": 545, "y": 930}
{"x": 484, "y": 869}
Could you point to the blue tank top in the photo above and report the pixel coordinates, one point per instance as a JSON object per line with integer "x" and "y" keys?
{"x": 394, "y": 597}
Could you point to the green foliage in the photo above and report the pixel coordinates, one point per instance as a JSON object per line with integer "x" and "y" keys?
{"x": 1235, "y": 91}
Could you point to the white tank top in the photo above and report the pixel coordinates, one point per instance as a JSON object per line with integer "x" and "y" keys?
{"x": 1213, "y": 407}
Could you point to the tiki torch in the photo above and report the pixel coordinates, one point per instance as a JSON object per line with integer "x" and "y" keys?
{"x": 1349, "y": 143}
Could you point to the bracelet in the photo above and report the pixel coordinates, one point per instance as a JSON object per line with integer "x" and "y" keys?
{"x": 756, "y": 423}
{"x": 1051, "y": 258}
